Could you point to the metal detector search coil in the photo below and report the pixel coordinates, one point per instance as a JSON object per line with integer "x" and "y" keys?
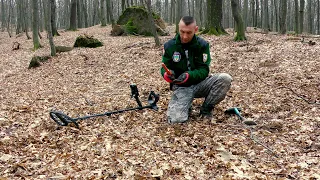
{"x": 63, "y": 120}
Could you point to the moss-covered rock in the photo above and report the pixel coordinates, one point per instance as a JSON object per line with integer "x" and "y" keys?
{"x": 87, "y": 41}
{"x": 60, "y": 49}
{"x": 36, "y": 61}
{"x": 134, "y": 20}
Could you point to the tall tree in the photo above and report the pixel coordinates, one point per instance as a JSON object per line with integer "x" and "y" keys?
{"x": 178, "y": 14}
{"x": 173, "y": 11}
{"x": 79, "y": 20}
{"x": 296, "y": 17}
{"x": 245, "y": 14}
{"x": 53, "y": 7}
{"x": 85, "y": 13}
{"x": 26, "y": 18}
{"x": 318, "y": 16}
{"x": 152, "y": 24}
{"x": 310, "y": 17}
{"x": 214, "y": 17}
{"x": 3, "y": 17}
{"x": 283, "y": 15}
{"x": 265, "y": 17}
{"x": 103, "y": 13}
{"x": 110, "y": 13}
{"x": 73, "y": 15}
{"x": 35, "y": 25}
{"x": 9, "y": 18}
{"x": 49, "y": 26}
{"x": 301, "y": 13}
{"x": 239, "y": 22}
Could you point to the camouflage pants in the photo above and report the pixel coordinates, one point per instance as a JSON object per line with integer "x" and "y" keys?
{"x": 214, "y": 89}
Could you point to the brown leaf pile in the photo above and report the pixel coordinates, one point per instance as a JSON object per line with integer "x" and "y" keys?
{"x": 274, "y": 77}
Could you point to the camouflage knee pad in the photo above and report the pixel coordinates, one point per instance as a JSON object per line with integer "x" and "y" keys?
{"x": 178, "y": 108}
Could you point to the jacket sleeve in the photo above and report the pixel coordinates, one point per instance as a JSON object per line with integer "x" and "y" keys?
{"x": 202, "y": 63}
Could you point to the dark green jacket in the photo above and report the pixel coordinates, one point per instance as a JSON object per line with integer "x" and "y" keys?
{"x": 198, "y": 54}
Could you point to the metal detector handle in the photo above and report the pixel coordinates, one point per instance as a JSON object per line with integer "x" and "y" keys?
{"x": 62, "y": 119}
{"x": 135, "y": 93}
{"x": 153, "y": 98}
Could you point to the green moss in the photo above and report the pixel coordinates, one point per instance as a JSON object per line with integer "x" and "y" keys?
{"x": 86, "y": 41}
{"x": 130, "y": 28}
{"x": 35, "y": 61}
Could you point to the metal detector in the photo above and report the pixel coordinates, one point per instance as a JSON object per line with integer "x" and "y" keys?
{"x": 63, "y": 120}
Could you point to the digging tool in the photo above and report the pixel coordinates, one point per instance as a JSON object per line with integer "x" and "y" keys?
{"x": 63, "y": 120}
{"x": 236, "y": 111}
{"x": 166, "y": 69}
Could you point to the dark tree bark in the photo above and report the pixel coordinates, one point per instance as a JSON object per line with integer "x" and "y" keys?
{"x": 318, "y": 16}
{"x": 26, "y": 16}
{"x": 296, "y": 16}
{"x": 310, "y": 18}
{"x": 103, "y": 12}
{"x": 79, "y": 20}
{"x": 53, "y": 18}
{"x": 283, "y": 14}
{"x": 73, "y": 15}
{"x": 239, "y": 22}
{"x": 49, "y": 27}
{"x": 3, "y": 17}
{"x": 214, "y": 18}
{"x": 302, "y": 2}
{"x": 110, "y": 13}
{"x": 9, "y": 18}
{"x": 178, "y": 14}
{"x": 35, "y": 25}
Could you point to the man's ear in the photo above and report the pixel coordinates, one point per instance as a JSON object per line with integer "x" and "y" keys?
{"x": 196, "y": 29}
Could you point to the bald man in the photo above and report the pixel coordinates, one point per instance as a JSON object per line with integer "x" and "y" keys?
{"x": 187, "y": 57}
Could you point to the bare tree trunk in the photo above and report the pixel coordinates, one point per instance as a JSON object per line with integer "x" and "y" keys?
{"x": 85, "y": 13}
{"x": 310, "y": 19}
{"x": 110, "y": 12}
{"x": 53, "y": 18}
{"x": 26, "y": 16}
{"x": 73, "y": 15}
{"x": 318, "y": 16}
{"x": 49, "y": 27}
{"x": 9, "y": 18}
{"x": 301, "y": 16}
{"x": 245, "y": 14}
{"x": 152, "y": 24}
{"x": 103, "y": 13}
{"x": 265, "y": 16}
{"x": 257, "y": 13}
{"x": 283, "y": 14}
{"x": 238, "y": 19}
{"x": 3, "y": 17}
{"x": 178, "y": 14}
{"x": 35, "y": 25}
{"x": 79, "y": 20}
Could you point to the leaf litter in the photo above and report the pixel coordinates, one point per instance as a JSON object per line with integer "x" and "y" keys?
{"x": 273, "y": 79}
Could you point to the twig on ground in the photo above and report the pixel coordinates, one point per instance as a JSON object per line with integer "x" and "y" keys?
{"x": 284, "y": 87}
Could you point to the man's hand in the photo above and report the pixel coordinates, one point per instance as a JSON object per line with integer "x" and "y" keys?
{"x": 169, "y": 78}
{"x": 181, "y": 79}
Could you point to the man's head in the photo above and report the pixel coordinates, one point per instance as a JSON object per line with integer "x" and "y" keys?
{"x": 187, "y": 28}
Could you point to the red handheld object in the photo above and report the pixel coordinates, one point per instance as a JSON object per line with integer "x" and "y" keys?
{"x": 166, "y": 69}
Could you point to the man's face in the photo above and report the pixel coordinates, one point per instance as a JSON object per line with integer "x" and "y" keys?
{"x": 187, "y": 32}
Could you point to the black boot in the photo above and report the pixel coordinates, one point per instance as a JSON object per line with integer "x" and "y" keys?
{"x": 206, "y": 110}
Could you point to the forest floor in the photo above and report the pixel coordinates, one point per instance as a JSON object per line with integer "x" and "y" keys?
{"x": 276, "y": 82}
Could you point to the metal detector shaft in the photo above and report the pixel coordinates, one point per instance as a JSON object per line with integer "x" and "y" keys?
{"x": 63, "y": 120}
